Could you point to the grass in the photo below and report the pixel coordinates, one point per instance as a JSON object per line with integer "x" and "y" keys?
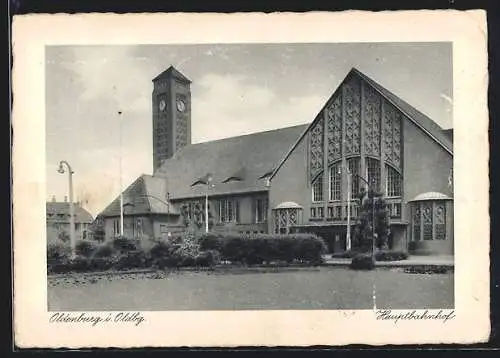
{"x": 279, "y": 289}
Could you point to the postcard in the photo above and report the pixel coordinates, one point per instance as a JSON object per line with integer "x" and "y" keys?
{"x": 224, "y": 180}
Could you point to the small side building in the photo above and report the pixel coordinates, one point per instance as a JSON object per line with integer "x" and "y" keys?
{"x": 58, "y": 221}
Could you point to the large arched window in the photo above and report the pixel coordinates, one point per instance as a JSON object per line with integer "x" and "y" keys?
{"x": 335, "y": 182}
{"x": 317, "y": 189}
{"x": 393, "y": 182}
{"x": 354, "y": 168}
{"x": 373, "y": 170}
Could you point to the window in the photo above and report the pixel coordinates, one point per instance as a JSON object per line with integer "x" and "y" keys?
{"x": 440, "y": 221}
{"x": 163, "y": 229}
{"x": 416, "y": 222}
{"x": 396, "y": 212}
{"x": 338, "y": 212}
{"x": 229, "y": 210}
{"x": 427, "y": 221}
{"x": 335, "y": 182}
{"x": 138, "y": 227}
{"x": 373, "y": 169}
{"x": 317, "y": 212}
{"x": 116, "y": 226}
{"x": 261, "y": 207}
{"x": 392, "y": 182}
{"x": 317, "y": 189}
{"x": 353, "y": 165}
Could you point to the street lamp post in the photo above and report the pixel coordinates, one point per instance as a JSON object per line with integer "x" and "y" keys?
{"x": 348, "y": 236}
{"x": 121, "y": 184}
{"x": 71, "y": 208}
{"x": 209, "y": 182}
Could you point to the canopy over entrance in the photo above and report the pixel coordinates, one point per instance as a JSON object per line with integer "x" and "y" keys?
{"x": 431, "y": 195}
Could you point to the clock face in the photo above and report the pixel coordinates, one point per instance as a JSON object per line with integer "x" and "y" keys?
{"x": 181, "y": 106}
{"x": 162, "y": 105}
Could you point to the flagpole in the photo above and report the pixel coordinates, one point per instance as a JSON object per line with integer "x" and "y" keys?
{"x": 121, "y": 184}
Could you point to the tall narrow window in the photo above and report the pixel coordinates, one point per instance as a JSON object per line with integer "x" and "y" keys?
{"x": 440, "y": 221}
{"x": 427, "y": 221}
{"x": 116, "y": 226}
{"x": 353, "y": 165}
{"x": 335, "y": 181}
{"x": 392, "y": 182}
{"x": 317, "y": 189}
{"x": 373, "y": 167}
{"x": 416, "y": 223}
{"x": 261, "y": 208}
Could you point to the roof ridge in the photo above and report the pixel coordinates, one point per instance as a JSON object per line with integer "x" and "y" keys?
{"x": 249, "y": 134}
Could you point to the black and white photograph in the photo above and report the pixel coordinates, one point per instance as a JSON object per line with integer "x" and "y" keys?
{"x": 254, "y": 183}
{"x": 250, "y": 176}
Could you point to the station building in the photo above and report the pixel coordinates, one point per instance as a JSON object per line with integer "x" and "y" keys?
{"x": 295, "y": 179}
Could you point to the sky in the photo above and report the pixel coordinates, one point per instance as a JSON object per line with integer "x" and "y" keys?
{"x": 236, "y": 89}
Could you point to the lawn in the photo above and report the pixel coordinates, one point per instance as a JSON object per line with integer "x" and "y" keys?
{"x": 304, "y": 288}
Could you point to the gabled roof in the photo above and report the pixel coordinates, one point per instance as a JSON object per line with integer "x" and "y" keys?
{"x": 146, "y": 195}
{"x": 257, "y": 153}
{"x": 59, "y": 212}
{"x": 171, "y": 72}
{"x": 431, "y": 128}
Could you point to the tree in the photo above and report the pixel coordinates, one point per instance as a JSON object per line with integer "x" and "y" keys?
{"x": 373, "y": 207}
{"x": 97, "y": 229}
{"x": 63, "y": 236}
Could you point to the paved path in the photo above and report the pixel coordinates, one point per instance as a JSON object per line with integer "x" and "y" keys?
{"x": 411, "y": 261}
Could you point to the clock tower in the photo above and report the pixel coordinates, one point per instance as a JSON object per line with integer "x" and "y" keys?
{"x": 171, "y": 114}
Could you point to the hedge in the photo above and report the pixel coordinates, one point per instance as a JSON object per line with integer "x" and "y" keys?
{"x": 390, "y": 255}
{"x": 384, "y": 255}
{"x": 362, "y": 262}
{"x": 265, "y": 248}
{"x": 188, "y": 250}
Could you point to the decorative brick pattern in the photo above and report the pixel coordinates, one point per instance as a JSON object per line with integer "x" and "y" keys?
{"x": 352, "y": 116}
{"x": 334, "y": 129}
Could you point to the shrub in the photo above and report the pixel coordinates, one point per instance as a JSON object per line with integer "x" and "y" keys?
{"x": 160, "y": 249}
{"x": 85, "y": 248}
{"x": 207, "y": 258}
{"x": 131, "y": 260}
{"x": 348, "y": 254}
{"x": 233, "y": 248}
{"x": 103, "y": 250}
{"x": 362, "y": 262}
{"x": 390, "y": 255}
{"x": 123, "y": 244}
{"x": 428, "y": 269}
{"x": 80, "y": 264}
{"x": 101, "y": 263}
{"x": 310, "y": 248}
{"x": 57, "y": 253}
{"x": 210, "y": 241}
